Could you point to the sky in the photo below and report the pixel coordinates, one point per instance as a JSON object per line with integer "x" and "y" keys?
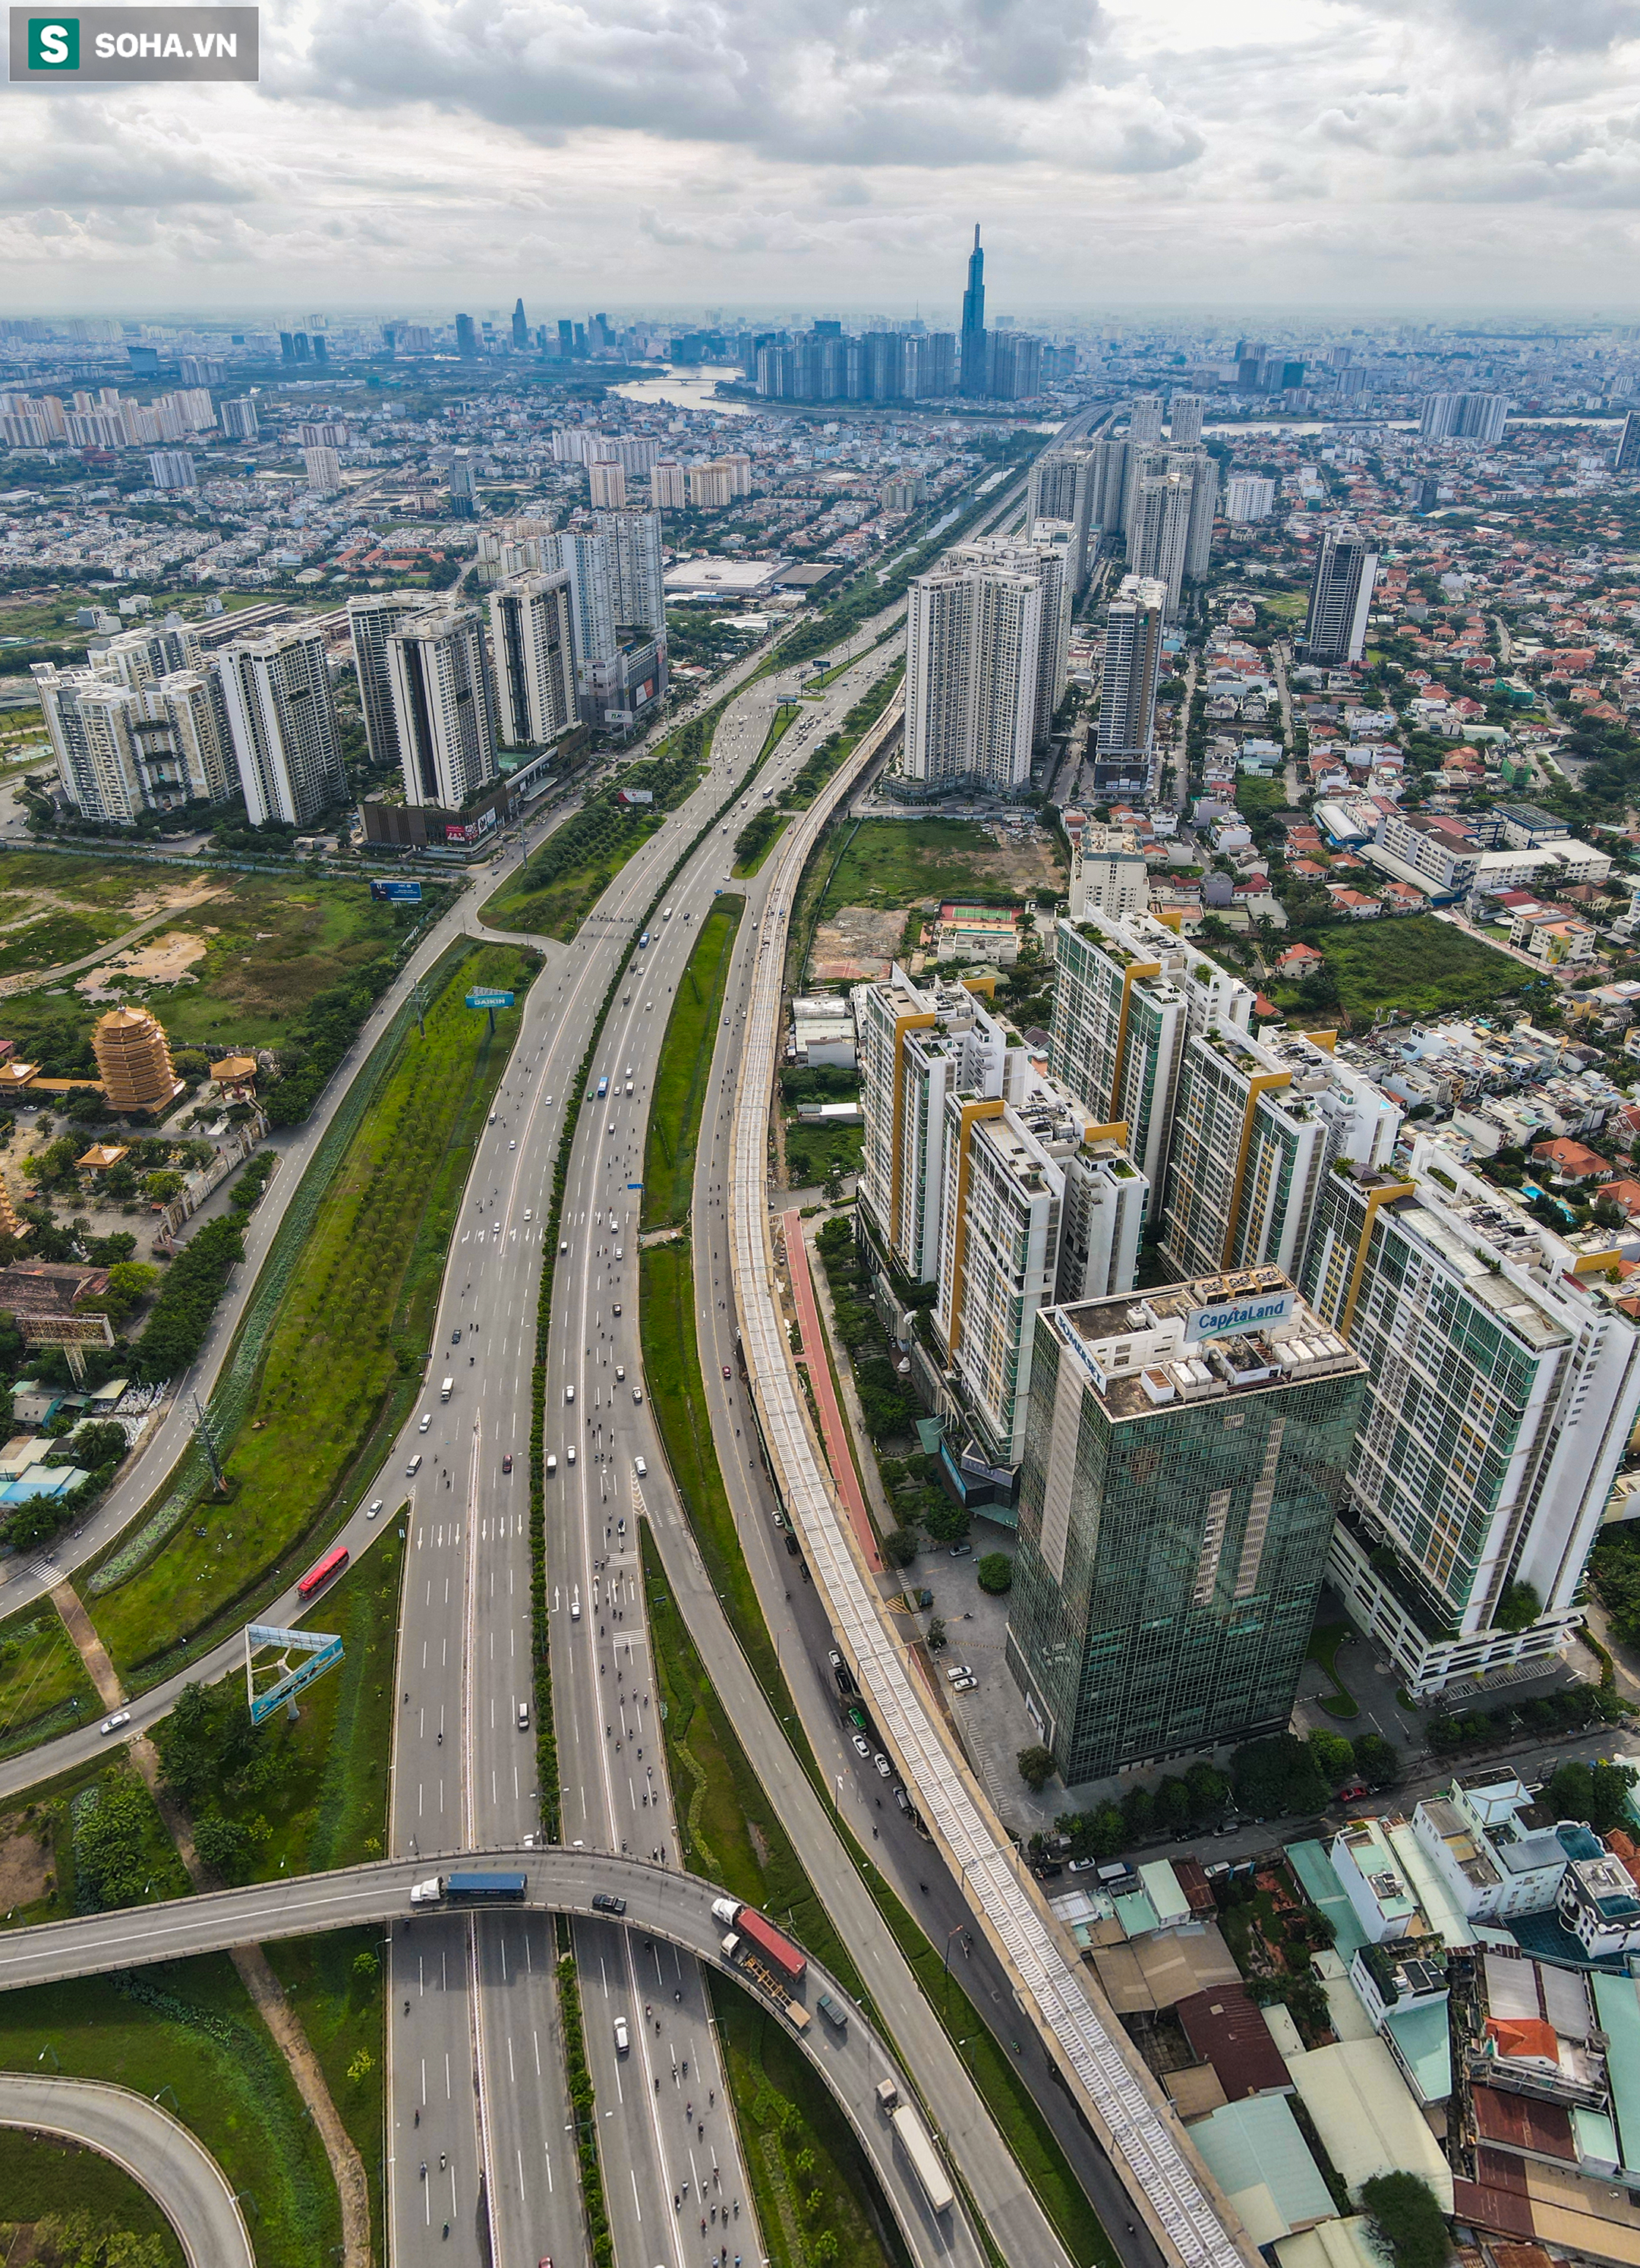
{"x": 1418, "y": 158}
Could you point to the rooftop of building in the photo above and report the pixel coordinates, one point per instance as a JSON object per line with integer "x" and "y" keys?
{"x": 1195, "y": 1341}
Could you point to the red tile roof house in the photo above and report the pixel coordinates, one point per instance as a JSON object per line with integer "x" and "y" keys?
{"x": 1572, "y": 1161}
{"x": 1298, "y": 960}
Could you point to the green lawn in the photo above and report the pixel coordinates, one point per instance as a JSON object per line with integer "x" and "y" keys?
{"x": 684, "y": 1067}
{"x": 1416, "y": 965}
{"x": 44, "y": 1689}
{"x": 343, "y": 2014}
{"x": 189, "y": 2028}
{"x": 40, "y": 2176}
{"x": 894, "y": 862}
{"x": 345, "y": 1353}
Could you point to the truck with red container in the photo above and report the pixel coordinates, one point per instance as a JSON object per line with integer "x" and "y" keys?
{"x": 760, "y": 1937}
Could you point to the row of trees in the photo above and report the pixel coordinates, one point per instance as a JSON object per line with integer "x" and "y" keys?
{"x": 1275, "y": 1778}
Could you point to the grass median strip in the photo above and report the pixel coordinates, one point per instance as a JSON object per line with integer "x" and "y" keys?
{"x": 343, "y": 1358}
{"x": 686, "y": 1067}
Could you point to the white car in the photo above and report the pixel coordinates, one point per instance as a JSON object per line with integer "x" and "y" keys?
{"x": 414, "y": 1466}
{"x": 553, "y": 1464}
{"x": 426, "y": 1421}
{"x": 113, "y": 1724}
{"x": 374, "y": 1509}
{"x": 569, "y": 1394}
{"x": 956, "y": 1672}
{"x": 620, "y": 1373}
{"x": 885, "y": 1770}
{"x": 965, "y": 1685}
{"x": 862, "y": 1746}
{"x": 621, "y": 2040}
{"x": 570, "y": 1453}
{"x": 530, "y": 1212}
{"x": 640, "y": 1468}
{"x": 575, "y": 1607}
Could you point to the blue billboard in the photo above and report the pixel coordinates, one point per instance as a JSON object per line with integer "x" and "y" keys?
{"x": 484, "y": 1000}
{"x": 397, "y": 894}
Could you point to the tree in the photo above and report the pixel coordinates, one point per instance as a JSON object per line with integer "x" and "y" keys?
{"x": 366, "y": 1965}
{"x": 222, "y": 1846}
{"x": 1519, "y": 1608}
{"x": 996, "y": 1571}
{"x": 1277, "y": 1777}
{"x": 1378, "y": 1760}
{"x": 1335, "y": 1756}
{"x": 900, "y": 1546}
{"x": 1173, "y": 1805}
{"x": 936, "y": 1634}
{"x": 1406, "y": 2219}
{"x": 1035, "y": 1763}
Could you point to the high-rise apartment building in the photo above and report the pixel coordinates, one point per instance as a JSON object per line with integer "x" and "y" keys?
{"x": 1505, "y": 1383}
{"x": 1341, "y": 598}
{"x": 173, "y": 469}
{"x": 668, "y": 489}
{"x": 1158, "y": 529}
{"x": 1185, "y": 1452}
{"x": 1107, "y": 486}
{"x": 323, "y": 467}
{"x": 142, "y": 727}
{"x": 534, "y": 660}
{"x": 466, "y": 338}
{"x": 639, "y": 576}
{"x": 1123, "y": 753}
{"x": 709, "y": 487}
{"x": 973, "y": 635}
{"x": 1185, "y": 413}
{"x": 606, "y": 486}
{"x": 443, "y": 705}
{"x": 618, "y": 605}
{"x": 1249, "y": 495}
{"x": 463, "y": 505}
{"x": 1129, "y": 997}
{"x": 1627, "y": 457}
{"x": 1464, "y": 417}
{"x": 239, "y": 419}
{"x": 1049, "y": 558}
{"x": 1258, "y": 1126}
{"x": 372, "y": 620}
{"x": 283, "y": 721}
{"x": 1062, "y": 490}
{"x": 1144, "y": 421}
{"x": 1108, "y": 872}
{"x": 974, "y": 376}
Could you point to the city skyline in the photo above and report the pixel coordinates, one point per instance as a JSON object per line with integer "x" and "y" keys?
{"x": 1399, "y": 164}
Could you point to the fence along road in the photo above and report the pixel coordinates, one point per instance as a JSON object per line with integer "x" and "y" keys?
{"x": 1192, "y": 2220}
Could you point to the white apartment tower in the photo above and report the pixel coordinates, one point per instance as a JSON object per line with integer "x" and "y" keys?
{"x": 372, "y": 620}
{"x": 1504, "y": 1383}
{"x": 444, "y": 706}
{"x": 1129, "y": 997}
{"x": 323, "y": 468}
{"x": 535, "y": 663}
{"x": 282, "y": 722}
{"x": 986, "y": 636}
{"x": 1124, "y": 733}
{"x": 1249, "y": 495}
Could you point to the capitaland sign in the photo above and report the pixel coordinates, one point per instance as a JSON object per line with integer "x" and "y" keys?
{"x": 97, "y": 46}
{"x": 1239, "y": 1315}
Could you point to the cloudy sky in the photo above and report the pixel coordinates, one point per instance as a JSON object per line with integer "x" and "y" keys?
{"x": 412, "y": 156}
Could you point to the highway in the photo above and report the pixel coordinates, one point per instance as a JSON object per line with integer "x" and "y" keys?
{"x": 155, "y": 2149}
{"x": 668, "y": 1918}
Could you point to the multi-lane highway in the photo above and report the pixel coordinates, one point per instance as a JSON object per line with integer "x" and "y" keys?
{"x": 670, "y": 1919}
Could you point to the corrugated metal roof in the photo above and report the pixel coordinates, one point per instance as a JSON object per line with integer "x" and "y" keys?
{"x": 1256, "y": 2144}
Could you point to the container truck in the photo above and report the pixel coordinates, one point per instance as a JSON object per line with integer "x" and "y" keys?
{"x": 762, "y": 1937}
{"x": 915, "y": 2139}
{"x": 469, "y": 1889}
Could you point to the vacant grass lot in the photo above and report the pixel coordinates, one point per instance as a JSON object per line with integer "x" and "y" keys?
{"x": 55, "y": 938}
{"x": 1418, "y": 966}
{"x": 346, "y": 1354}
{"x": 40, "y": 2176}
{"x": 893, "y": 862}
{"x": 685, "y": 1066}
{"x": 341, "y": 2011}
{"x": 188, "y": 2026}
{"x": 44, "y": 1690}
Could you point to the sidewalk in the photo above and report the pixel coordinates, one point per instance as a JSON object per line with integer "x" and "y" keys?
{"x": 839, "y": 1455}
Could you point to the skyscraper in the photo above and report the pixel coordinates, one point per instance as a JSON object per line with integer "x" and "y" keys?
{"x": 1183, "y": 420}
{"x": 462, "y": 484}
{"x": 1257, "y": 1124}
{"x": 520, "y": 328}
{"x": 1341, "y": 598}
{"x": 1627, "y": 457}
{"x": 1062, "y": 489}
{"x": 1464, "y": 417}
{"x": 1125, "y": 737}
{"x": 973, "y": 634}
{"x": 534, "y": 662}
{"x": 323, "y": 468}
{"x": 466, "y": 338}
{"x": 1184, "y": 1451}
{"x": 1128, "y": 997}
{"x": 283, "y": 720}
{"x": 1504, "y": 1383}
{"x": 974, "y": 375}
{"x": 617, "y": 609}
{"x": 173, "y": 469}
{"x": 372, "y": 620}
{"x": 239, "y": 419}
{"x": 444, "y": 706}
{"x": 1158, "y": 530}
{"x": 1144, "y": 421}
{"x": 1249, "y": 495}
{"x": 1049, "y": 559}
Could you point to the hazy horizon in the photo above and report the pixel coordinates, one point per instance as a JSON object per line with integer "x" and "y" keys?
{"x": 1359, "y": 163}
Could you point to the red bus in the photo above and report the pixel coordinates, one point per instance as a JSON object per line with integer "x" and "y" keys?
{"x": 314, "y": 1579}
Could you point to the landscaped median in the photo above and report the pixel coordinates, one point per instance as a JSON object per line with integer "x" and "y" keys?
{"x": 333, "y": 1347}
{"x": 684, "y": 1068}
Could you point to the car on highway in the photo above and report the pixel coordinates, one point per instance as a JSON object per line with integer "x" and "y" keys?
{"x": 113, "y": 1724}
{"x": 506, "y": 1463}
{"x": 622, "y": 2043}
{"x": 620, "y": 1373}
{"x": 569, "y": 1394}
{"x": 637, "y": 1394}
{"x": 570, "y": 1453}
{"x": 612, "y": 1126}
{"x": 455, "y": 1337}
{"x": 414, "y": 1466}
{"x": 617, "y": 1308}
{"x": 427, "y": 1420}
{"x": 374, "y": 1509}
{"x": 603, "y": 1902}
{"x": 564, "y": 1246}
{"x": 530, "y": 1212}
{"x": 728, "y": 1373}
{"x": 512, "y": 1146}
{"x": 861, "y": 1745}
{"x": 639, "y": 1468}
{"x": 523, "y": 1716}
{"x": 553, "y": 1464}
{"x": 619, "y": 1253}
{"x": 575, "y": 1606}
